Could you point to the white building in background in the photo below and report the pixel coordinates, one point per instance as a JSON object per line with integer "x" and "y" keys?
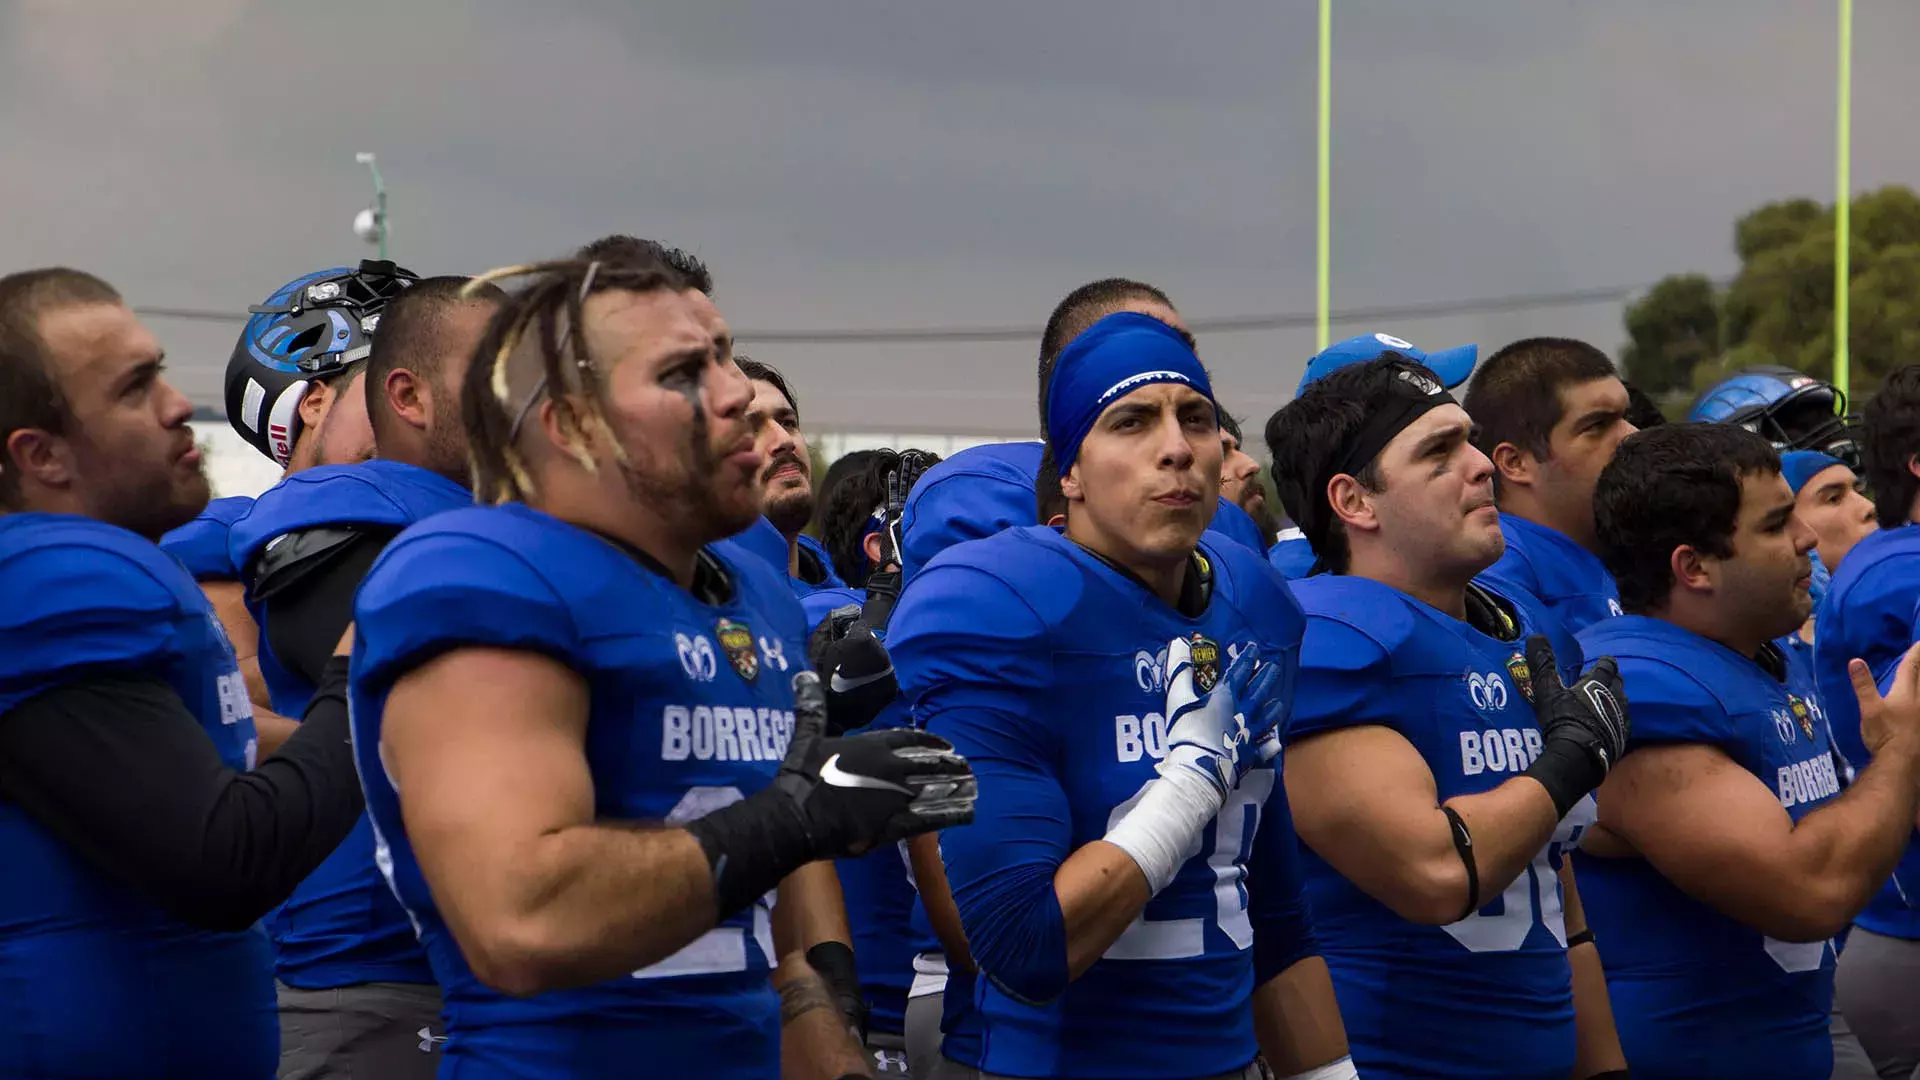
{"x": 238, "y": 469}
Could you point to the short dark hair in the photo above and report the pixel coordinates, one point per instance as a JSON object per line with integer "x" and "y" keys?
{"x": 1667, "y": 486}
{"x": 1305, "y": 438}
{"x": 404, "y": 337}
{"x": 759, "y": 372}
{"x": 619, "y": 247}
{"x": 30, "y": 393}
{"x": 1514, "y": 396}
{"x": 1079, "y": 310}
{"x": 1231, "y": 426}
{"x": 1642, "y": 411}
{"x": 1890, "y": 437}
{"x": 854, "y": 486}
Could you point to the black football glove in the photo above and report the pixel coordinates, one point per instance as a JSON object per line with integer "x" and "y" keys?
{"x": 855, "y": 667}
{"x": 832, "y": 797}
{"x": 883, "y": 585}
{"x": 1584, "y": 726}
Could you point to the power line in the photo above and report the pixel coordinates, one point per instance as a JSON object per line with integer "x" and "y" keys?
{"x": 1227, "y": 324}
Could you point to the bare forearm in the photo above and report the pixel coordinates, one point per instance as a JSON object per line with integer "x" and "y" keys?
{"x": 815, "y": 1043}
{"x": 1297, "y": 1019}
{"x": 1101, "y": 892}
{"x": 1852, "y": 844}
{"x": 272, "y": 729}
{"x": 930, "y": 879}
{"x": 1509, "y": 826}
{"x": 1596, "y": 1040}
{"x": 591, "y": 903}
{"x": 811, "y": 910}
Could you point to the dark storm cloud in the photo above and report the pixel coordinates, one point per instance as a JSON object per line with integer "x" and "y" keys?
{"x": 938, "y": 164}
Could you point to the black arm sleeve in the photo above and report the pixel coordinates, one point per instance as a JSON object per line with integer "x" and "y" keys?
{"x": 120, "y": 770}
{"x": 305, "y": 620}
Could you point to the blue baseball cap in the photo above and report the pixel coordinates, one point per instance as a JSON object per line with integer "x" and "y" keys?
{"x": 1452, "y": 365}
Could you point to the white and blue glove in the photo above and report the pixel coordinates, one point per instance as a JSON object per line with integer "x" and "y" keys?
{"x": 1222, "y": 733}
{"x": 1212, "y": 740}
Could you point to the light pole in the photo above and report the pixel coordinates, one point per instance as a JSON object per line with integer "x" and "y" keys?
{"x": 371, "y": 224}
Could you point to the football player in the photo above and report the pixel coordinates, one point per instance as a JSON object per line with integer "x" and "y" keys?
{"x": 787, "y": 475}
{"x": 1551, "y": 411}
{"x": 576, "y": 713}
{"x": 1128, "y": 899}
{"x": 356, "y": 990}
{"x": 1743, "y": 855}
{"x": 1869, "y": 613}
{"x": 1437, "y": 767}
{"x": 141, "y": 840}
{"x": 1292, "y": 555}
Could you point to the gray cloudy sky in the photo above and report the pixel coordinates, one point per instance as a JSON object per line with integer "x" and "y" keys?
{"x": 866, "y": 163}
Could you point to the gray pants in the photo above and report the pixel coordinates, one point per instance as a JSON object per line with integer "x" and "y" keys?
{"x": 373, "y": 1031}
{"x": 1875, "y": 986}
{"x": 1850, "y": 1061}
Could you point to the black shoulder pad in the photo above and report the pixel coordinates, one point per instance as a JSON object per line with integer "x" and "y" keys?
{"x": 292, "y": 557}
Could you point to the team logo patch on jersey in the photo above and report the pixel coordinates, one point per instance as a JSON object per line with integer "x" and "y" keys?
{"x": 1801, "y": 714}
{"x": 1521, "y": 674}
{"x": 1206, "y": 664}
{"x": 1783, "y": 725}
{"x": 736, "y": 640}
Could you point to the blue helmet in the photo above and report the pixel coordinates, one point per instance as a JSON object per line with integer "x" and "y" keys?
{"x": 1790, "y": 409}
{"x": 311, "y": 329}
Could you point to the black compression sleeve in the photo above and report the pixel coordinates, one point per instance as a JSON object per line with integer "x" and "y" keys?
{"x": 119, "y": 769}
{"x": 304, "y": 621}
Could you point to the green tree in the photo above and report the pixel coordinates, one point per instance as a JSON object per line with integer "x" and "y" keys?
{"x": 1686, "y": 335}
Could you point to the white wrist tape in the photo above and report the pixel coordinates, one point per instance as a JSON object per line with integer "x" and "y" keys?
{"x": 1162, "y": 831}
{"x": 1333, "y": 1070}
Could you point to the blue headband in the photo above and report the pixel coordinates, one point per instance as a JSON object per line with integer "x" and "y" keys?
{"x": 1111, "y": 359}
{"x": 1800, "y": 466}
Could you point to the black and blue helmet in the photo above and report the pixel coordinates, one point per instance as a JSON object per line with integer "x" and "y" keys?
{"x": 1790, "y": 409}
{"x": 311, "y": 329}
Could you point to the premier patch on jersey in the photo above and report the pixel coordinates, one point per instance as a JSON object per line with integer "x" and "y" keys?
{"x": 736, "y": 640}
{"x": 1801, "y": 714}
{"x": 1206, "y": 663}
{"x": 1522, "y": 675}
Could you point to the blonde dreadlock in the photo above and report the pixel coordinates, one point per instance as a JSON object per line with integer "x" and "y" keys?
{"x": 552, "y": 304}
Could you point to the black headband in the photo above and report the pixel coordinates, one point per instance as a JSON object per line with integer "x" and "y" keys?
{"x": 1414, "y": 392}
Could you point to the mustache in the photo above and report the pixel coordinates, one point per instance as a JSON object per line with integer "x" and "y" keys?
{"x": 780, "y": 460}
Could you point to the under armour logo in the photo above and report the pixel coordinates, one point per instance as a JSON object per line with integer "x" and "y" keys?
{"x": 890, "y": 1062}
{"x": 773, "y": 652}
{"x": 429, "y": 1041}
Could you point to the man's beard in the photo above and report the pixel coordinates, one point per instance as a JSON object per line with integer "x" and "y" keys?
{"x": 690, "y": 494}
{"x": 790, "y": 512}
{"x": 447, "y": 452}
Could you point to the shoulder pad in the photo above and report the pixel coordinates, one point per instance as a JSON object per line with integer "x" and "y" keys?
{"x": 293, "y": 557}
{"x": 1371, "y": 611}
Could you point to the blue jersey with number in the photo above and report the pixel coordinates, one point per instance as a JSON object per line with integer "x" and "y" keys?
{"x": 1695, "y": 993}
{"x": 96, "y": 980}
{"x": 1546, "y": 564}
{"x": 201, "y": 545}
{"x": 1044, "y": 666}
{"x": 1490, "y": 995}
{"x": 690, "y": 708}
{"x": 1872, "y": 611}
{"x": 342, "y": 925}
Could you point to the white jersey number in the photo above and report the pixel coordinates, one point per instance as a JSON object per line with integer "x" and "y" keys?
{"x": 1233, "y": 833}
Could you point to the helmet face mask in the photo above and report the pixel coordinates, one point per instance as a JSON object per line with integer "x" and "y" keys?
{"x": 311, "y": 329}
{"x": 1791, "y": 410}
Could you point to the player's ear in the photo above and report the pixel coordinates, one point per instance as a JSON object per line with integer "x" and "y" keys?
{"x": 1514, "y": 465}
{"x": 1070, "y": 484}
{"x": 1351, "y": 503}
{"x": 402, "y": 390}
{"x": 1913, "y": 464}
{"x": 872, "y": 546}
{"x": 315, "y": 403}
{"x": 1690, "y": 569}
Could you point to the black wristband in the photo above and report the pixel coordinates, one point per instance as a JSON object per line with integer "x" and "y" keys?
{"x": 1568, "y": 771}
{"x": 1463, "y": 844}
{"x": 1584, "y": 937}
{"x": 751, "y": 845}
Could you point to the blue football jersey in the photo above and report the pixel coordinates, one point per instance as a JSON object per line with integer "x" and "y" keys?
{"x": 1872, "y": 611}
{"x": 828, "y": 580}
{"x": 1695, "y": 993}
{"x": 1567, "y": 579}
{"x": 1292, "y": 555}
{"x": 1490, "y": 995}
{"x": 100, "y": 981}
{"x": 1232, "y": 523}
{"x": 201, "y": 545}
{"x": 691, "y": 709}
{"x": 342, "y": 924}
{"x": 819, "y": 603}
{"x": 972, "y": 494}
{"x": 1045, "y": 667}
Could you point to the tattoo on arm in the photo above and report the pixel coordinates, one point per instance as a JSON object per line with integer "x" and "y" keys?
{"x": 804, "y": 995}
